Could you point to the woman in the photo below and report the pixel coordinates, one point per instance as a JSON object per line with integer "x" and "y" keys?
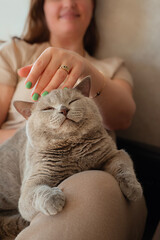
{"x": 54, "y": 48}
{"x": 69, "y": 33}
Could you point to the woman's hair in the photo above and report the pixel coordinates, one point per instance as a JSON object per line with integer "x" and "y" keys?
{"x": 36, "y": 30}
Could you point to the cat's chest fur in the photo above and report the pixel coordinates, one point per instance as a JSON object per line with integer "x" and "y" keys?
{"x": 70, "y": 156}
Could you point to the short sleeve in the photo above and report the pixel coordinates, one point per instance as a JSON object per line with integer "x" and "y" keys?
{"x": 9, "y": 61}
{"x": 123, "y": 73}
{"x": 112, "y": 68}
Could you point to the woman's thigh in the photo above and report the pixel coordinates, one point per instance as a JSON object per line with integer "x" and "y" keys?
{"x": 95, "y": 209}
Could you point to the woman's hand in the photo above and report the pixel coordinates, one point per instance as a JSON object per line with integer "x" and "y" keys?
{"x": 115, "y": 102}
{"x": 46, "y": 73}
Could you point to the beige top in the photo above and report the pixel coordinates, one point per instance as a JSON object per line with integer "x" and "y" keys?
{"x": 17, "y": 53}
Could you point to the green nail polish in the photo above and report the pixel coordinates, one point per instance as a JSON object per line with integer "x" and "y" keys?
{"x": 65, "y": 88}
{"x": 35, "y": 96}
{"x": 28, "y": 85}
{"x": 45, "y": 93}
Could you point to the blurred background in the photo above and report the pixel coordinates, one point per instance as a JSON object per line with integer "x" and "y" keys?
{"x": 12, "y": 16}
{"x": 131, "y": 30}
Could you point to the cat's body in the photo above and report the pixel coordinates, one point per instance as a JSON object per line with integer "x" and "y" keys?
{"x": 65, "y": 135}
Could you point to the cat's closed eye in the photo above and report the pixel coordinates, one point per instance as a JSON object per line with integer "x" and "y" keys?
{"x": 73, "y": 100}
{"x": 48, "y": 109}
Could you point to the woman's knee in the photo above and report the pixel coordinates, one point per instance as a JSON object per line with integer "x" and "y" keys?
{"x": 95, "y": 209}
{"x": 96, "y": 185}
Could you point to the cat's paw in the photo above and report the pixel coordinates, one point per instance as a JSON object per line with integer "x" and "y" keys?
{"x": 131, "y": 189}
{"x": 49, "y": 200}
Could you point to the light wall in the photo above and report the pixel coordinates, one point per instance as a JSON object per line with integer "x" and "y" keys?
{"x": 12, "y": 17}
{"x": 131, "y": 29}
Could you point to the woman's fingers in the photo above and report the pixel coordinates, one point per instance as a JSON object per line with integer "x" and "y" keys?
{"x": 44, "y": 86}
{"x": 75, "y": 74}
{"x": 38, "y": 68}
{"x": 53, "y": 69}
{"x": 24, "y": 71}
{"x": 59, "y": 77}
{"x": 63, "y": 79}
{"x": 44, "y": 80}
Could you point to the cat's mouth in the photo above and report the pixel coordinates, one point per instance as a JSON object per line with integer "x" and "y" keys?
{"x": 68, "y": 120}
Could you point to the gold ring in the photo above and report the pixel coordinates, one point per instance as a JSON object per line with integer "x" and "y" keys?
{"x": 64, "y": 67}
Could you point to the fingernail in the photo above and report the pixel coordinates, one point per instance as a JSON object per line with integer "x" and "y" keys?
{"x": 35, "y": 96}
{"x": 28, "y": 85}
{"x": 45, "y": 93}
{"x": 65, "y": 88}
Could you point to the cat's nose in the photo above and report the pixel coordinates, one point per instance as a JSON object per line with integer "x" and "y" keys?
{"x": 64, "y": 110}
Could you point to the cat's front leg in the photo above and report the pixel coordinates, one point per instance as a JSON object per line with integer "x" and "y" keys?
{"x": 41, "y": 198}
{"x": 121, "y": 167}
{"x": 48, "y": 200}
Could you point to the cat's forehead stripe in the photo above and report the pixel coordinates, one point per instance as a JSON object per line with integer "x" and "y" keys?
{"x": 59, "y": 95}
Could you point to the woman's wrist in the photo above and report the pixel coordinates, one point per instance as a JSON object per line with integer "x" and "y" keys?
{"x": 99, "y": 92}
{"x": 5, "y": 134}
{"x": 98, "y": 83}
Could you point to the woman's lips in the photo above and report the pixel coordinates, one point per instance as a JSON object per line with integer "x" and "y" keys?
{"x": 69, "y": 15}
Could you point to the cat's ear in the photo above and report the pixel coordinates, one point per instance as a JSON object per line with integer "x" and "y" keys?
{"x": 24, "y": 108}
{"x": 84, "y": 86}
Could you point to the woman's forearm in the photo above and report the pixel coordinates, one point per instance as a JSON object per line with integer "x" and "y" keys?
{"x": 115, "y": 101}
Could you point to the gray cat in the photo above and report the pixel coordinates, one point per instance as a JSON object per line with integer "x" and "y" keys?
{"x": 64, "y": 135}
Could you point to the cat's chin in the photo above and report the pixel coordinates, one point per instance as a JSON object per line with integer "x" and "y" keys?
{"x": 68, "y": 126}
{"x": 68, "y": 122}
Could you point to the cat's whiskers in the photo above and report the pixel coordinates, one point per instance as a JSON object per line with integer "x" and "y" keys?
{"x": 75, "y": 115}
{"x": 57, "y": 120}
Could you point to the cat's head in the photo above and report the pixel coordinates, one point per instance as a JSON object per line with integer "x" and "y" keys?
{"x": 62, "y": 114}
